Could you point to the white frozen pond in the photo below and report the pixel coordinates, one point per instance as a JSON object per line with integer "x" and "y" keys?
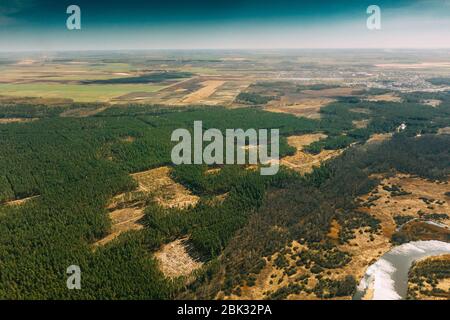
{"x": 388, "y": 277}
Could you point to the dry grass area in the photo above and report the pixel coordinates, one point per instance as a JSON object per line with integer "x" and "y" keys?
{"x": 366, "y": 247}
{"x": 83, "y": 112}
{"x": 308, "y": 108}
{"x": 19, "y": 202}
{"x": 178, "y": 258}
{"x": 271, "y": 278}
{"x": 126, "y": 209}
{"x": 379, "y": 137}
{"x": 304, "y": 162}
{"x": 335, "y": 229}
{"x": 166, "y": 192}
{"x": 384, "y": 208}
{"x": 364, "y": 251}
{"x": 384, "y": 205}
{"x": 423, "y": 291}
{"x": 445, "y": 130}
{"x": 16, "y": 120}
{"x": 360, "y": 124}
{"x": 331, "y": 92}
{"x": 432, "y": 102}
{"x": 123, "y": 220}
{"x": 388, "y": 97}
{"x": 209, "y": 87}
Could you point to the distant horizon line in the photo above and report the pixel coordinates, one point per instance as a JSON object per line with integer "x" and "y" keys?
{"x": 226, "y": 49}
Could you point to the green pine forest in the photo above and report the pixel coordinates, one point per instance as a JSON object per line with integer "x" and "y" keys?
{"x": 75, "y": 165}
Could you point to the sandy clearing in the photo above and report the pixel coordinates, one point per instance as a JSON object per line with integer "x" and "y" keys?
{"x": 445, "y": 130}
{"x": 304, "y": 162}
{"x": 386, "y": 206}
{"x": 126, "y": 209}
{"x": 17, "y": 120}
{"x": 177, "y": 258}
{"x": 443, "y": 284}
{"x": 309, "y": 108}
{"x": 432, "y": 102}
{"x": 379, "y": 137}
{"x": 167, "y": 192}
{"x": 360, "y": 124}
{"x": 123, "y": 220}
{"x": 388, "y": 97}
{"x": 20, "y": 202}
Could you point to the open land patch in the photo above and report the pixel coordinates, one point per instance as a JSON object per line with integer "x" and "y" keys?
{"x": 178, "y": 258}
{"x": 305, "y": 162}
{"x": 429, "y": 279}
{"x": 16, "y": 120}
{"x": 209, "y": 87}
{"x": 405, "y": 195}
{"x": 388, "y": 97}
{"x": 282, "y": 272}
{"x": 308, "y": 108}
{"x": 20, "y": 202}
{"x": 167, "y": 193}
{"x": 445, "y": 130}
{"x": 126, "y": 209}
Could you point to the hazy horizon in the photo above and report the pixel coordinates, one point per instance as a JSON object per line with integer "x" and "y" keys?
{"x": 40, "y": 25}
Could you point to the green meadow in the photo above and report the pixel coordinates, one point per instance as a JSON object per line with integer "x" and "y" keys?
{"x": 76, "y": 92}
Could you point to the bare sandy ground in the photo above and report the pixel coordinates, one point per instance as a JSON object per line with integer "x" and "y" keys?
{"x": 166, "y": 192}
{"x": 20, "y": 202}
{"x": 127, "y": 209}
{"x": 176, "y": 259}
{"x": 304, "y": 162}
{"x": 445, "y": 130}
{"x": 432, "y": 102}
{"x": 123, "y": 220}
{"x": 443, "y": 284}
{"x": 16, "y": 120}
{"x": 360, "y": 124}
{"x": 379, "y": 137}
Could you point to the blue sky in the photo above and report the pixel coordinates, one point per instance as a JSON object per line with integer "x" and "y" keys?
{"x": 200, "y": 24}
